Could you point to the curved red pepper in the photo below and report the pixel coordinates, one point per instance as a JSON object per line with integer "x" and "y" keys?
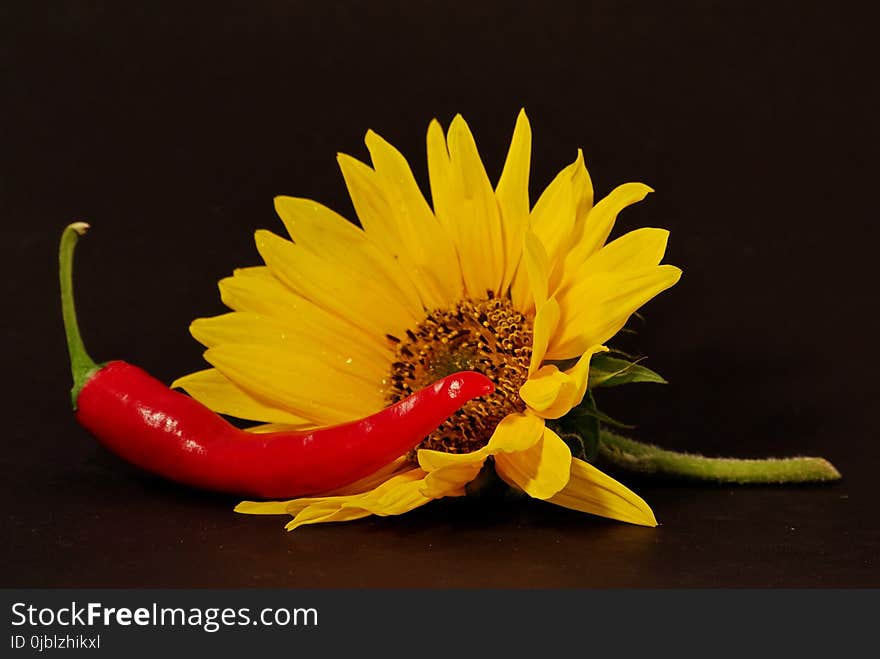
{"x": 170, "y": 434}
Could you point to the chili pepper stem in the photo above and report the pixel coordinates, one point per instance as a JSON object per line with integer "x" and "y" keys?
{"x": 81, "y": 365}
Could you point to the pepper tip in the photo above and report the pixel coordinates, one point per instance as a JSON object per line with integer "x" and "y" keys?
{"x": 487, "y": 387}
{"x": 478, "y": 383}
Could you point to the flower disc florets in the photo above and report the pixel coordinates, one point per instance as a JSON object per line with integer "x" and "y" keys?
{"x": 486, "y": 335}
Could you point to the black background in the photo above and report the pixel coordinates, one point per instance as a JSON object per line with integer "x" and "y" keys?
{"x": 170, "y": 128}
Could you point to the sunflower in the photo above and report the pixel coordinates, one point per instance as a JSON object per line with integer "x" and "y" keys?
{"x": 342, "y": 321}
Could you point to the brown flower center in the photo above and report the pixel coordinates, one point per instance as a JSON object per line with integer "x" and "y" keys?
{"x": 486, "y": 335}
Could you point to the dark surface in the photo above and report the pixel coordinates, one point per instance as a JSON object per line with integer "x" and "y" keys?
{"x": 170, "y": 129}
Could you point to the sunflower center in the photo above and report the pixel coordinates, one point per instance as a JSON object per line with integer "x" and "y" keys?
{"x": 486, "y": 335}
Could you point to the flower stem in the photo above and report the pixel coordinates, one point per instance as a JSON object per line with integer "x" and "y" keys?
{"x": 81, "y": 365}
{"x": 648, "y": 459}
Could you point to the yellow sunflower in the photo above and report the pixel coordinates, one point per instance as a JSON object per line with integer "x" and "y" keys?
{"x": 343, "y": 321}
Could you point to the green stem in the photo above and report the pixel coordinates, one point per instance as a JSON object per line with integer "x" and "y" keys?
{"x": 81, "y": 365}
{"x": 646, "y": 458}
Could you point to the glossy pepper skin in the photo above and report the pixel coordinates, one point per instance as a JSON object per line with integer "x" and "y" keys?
{"x": 170, "y": 434}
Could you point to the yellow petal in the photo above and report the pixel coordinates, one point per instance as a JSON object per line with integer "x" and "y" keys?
{"x": 562, "y": 233}
{"x": 257, "y": 291}
{"x": 553, "y": 217}
{"x": 331, "y": 237}
{"x": 521, "y": 289}
{"x": 342, "y": 351}
{"x": 213, "y": 389}
{"x": 538, "y": 269}
{"x": 541, "y": 471}
{"x": 591, "y": 491}
{"x": 465, "y": 204}
{"x": 324, "y": 514}
{"x": 512, "y": 193}
{"x": 595, "y": 309}
{"x": 262, "y": 507}
{"x": 599, "y": 221}
{"x": 582, "y": 187}
{"x": 431, "y": 461}
{"x": 373, "y": 210}
{"x": 381, "y": 219}
{"x": 440, "y": 173}
{"x": 317, "y": 280}
{"x": 252, "y": 271}
{"x": 426, "y": 243}
{"x": 636, "y": 250}
{"x": 399, "y": 494}
{"x": 448, "y": 473}
{"x": 580, "y": 372}
{"x": 395, "y": 496}
{"x": 450, "y": 481}
{"x": 549, "y": 393}
{"x": 516, "y": 435}
{"x": 516, "y": 432}
{"x": 293, "y": 506}
{"x": 298, "y": 382}
{"x": 385, "y": 490}
{"x": 546, "y": 321}
{"x": 374, "y": 480}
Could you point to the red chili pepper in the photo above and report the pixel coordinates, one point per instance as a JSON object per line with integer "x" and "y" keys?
{"x": 170, "y": 434}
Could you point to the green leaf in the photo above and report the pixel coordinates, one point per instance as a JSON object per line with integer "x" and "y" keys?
{"x": 607, "y": 371}
{"x": 617, "y": 352}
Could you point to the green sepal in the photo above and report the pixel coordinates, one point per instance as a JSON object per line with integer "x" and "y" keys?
{"x": 80, "y": 380}
{"x": 579, "y": 429}
{"x": 584, "y": 447}
{"x": 575, "y": 444}
{"x": 608, "y": 371}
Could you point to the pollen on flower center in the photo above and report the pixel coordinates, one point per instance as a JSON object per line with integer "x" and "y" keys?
{"x": 486, "y": 335}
